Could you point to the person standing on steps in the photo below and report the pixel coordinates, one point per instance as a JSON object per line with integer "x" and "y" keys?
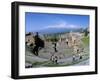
{"x": 55, "y": 45}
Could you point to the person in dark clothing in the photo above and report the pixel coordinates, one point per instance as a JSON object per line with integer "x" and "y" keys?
{"x": 55, "y": 45}
{"x": 56, "y": 59}
{"x": 39, "y": 43}
{"x": 67, "y": 42}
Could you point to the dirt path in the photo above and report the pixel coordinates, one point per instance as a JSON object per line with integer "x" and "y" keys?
{"x": 85, "y": 62}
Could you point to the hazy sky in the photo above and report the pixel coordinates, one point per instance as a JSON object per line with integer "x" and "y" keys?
{"x": 38, "y": 21}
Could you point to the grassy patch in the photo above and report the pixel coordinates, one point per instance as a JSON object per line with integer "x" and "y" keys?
{"x": 38, "y": 63}
{"x": 86, "y": 40}
{"x": 51, "y": 64}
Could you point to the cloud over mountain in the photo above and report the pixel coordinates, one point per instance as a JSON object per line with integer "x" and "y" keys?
{"x": 62, "y": 24}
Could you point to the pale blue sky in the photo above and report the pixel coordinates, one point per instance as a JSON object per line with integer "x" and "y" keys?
{"x": 38, "y": 21}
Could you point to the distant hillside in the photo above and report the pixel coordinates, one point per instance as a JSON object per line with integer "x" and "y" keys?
{"x": 59, "y": 30}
